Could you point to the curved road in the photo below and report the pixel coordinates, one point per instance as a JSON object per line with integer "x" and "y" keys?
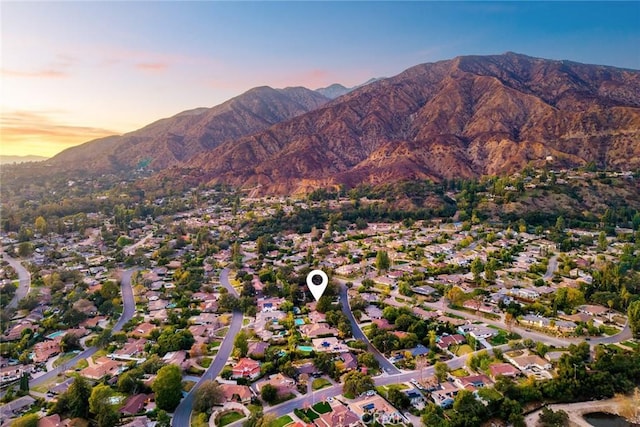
{"x": 24, "y": 277}
{"x": 182, "y": 414}
{"x": 128, "y": 311}
{"x": 320, "y": 395}
{"x": 385, "y": 364}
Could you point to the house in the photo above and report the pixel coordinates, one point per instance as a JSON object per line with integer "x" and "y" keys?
{"x": 425, "y": 290}
{"x": 472, "y": 382}
{"x": 102, "y": 368}
{"x": 280, "y": 382}
{"x": 329, "y": 345}
{"x": 236, "y": 393}
{"x": 207, "y": 319}
{"x": 415, "y": 397}
{"x": 53, "y": 421}
{"x": 46, "y": 349}
{"x": 535, "y": 320}
{"x": 135, "y": 404}
{"x": 314, "y": 330}
{"x": 142, "y": 330}
{"x": 446, "y": 341}
{"x": 528, "y": 361}
{"x": 504, "y": 369}
{"x": 269, "y": 304}
{"x": 593, "y": 310}
{"x": 419, "y": 350}
{"x": 140, "y": 422}
{"x": 384, "y": 412}
{"x": 132, "y": 348}
{"x": 478, "y": 331}
{"x": 257, "y": 349}
{"x": 246, "y": 368}
{"x": 445, "y": 395}
{"x": 349, "y": 361}
{"x": 340, "y": 416}
{"x": 16, "y": 407}
{"x": 383, "y": 324}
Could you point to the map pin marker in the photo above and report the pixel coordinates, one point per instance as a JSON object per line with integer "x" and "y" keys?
{"x": 317, "y": 282}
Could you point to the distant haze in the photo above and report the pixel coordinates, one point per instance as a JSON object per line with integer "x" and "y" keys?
{"x": 7, "y": 160}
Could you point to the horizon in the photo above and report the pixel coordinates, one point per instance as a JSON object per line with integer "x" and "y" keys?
{"x": 74, "y": 72}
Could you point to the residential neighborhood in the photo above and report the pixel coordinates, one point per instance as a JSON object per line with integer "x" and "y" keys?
{"x": 417, "y": 315}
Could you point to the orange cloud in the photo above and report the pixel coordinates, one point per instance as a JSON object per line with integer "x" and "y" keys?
{"x": 48, "y": 73}
{"x": 38, "y": 133}
{"x": 152, "y": 66}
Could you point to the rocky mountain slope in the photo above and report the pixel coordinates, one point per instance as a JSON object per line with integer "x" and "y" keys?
{"x": 464, "y": 117}
{"x": 176, "y": 139}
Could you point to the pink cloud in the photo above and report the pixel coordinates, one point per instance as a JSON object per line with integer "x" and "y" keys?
{"x": 152, "y": 66}
{"x": 48, "y": 73}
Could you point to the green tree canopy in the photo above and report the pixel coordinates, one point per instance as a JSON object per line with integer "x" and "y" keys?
{"x": 168, "y": 387}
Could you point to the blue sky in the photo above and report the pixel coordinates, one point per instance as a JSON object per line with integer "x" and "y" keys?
{"x": 73, "y": 71}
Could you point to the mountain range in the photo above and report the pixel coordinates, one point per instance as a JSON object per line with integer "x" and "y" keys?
{"x": 464, "y": 117}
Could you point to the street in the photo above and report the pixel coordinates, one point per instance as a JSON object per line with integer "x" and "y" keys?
{"x": 24, "y": 280}
{"x": 182, "y": 414}
{"x": 129, "y": 308}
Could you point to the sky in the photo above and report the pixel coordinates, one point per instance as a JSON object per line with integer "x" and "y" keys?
{"x": 78, "y": 70}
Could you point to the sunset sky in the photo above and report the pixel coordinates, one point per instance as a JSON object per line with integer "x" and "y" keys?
{"x": 75, "y": 71}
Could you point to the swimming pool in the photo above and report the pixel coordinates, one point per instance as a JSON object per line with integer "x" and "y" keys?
{"x": 299, "y": 322}
{"x": 305, "y": 348}
{"x": 55, "y": 334}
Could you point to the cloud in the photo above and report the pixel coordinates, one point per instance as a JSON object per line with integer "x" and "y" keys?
{"x": 48, "y": 73}
{"x": 152, "y": 66}
{"x": 39, "y": 132}
{"x": 57, "y": 68}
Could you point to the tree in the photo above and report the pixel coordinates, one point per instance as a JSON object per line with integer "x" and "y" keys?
{"x": 262, "y": 244}
{"x": 207, "y": 395}
{"x": 168, "y": 387}
{"x": 455, "y": 295}
{"x": 70, "y": 342}
{"x": 368, "y": 360}
{"x": 398, "y": 398}
{"x": 29, "y": 420}
{"x": 467, "y": 411}
{"x": 602, "y": 241}
{"x": 549, "y": 418}
{"x": 41, "y": 225}
{"x": 269, "y": 393}
{"x": 477, "y": 267}
{"x": 128, "y": 382}
{"x": 633, "y": 312}
{"x": 382, "y": 261}
{"x": 356, "y": 383}
{"x": 25, "y": 249}
{"x": 24, "y": 383}
{"x": 163, "y": 419}
{"x": 100, "y": 406}
{"x": 433, "y": 416}
{"x": 77, "y": 397}
{"x": 441, "y": 370}
{"x": 241, "y": 344}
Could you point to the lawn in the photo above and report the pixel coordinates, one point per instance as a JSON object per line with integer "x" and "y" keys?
{"x": 63, "y": 359}
{"x": 199, "y": 420}
{"x": 319, "y": 383}
{"x": 205, "y": 362}
{"x": 222, "y": 332}
{"x": 245, "y": 321}
{"x": 282, "y": 421}
{"x": 188, "y": 385}
{"x": 322, "y": 407}
{"x": 229, "y": 418}
{"x": 463, "y": 349}
{"x": 306, "y": 414}
{"x": 459, "y": 373}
